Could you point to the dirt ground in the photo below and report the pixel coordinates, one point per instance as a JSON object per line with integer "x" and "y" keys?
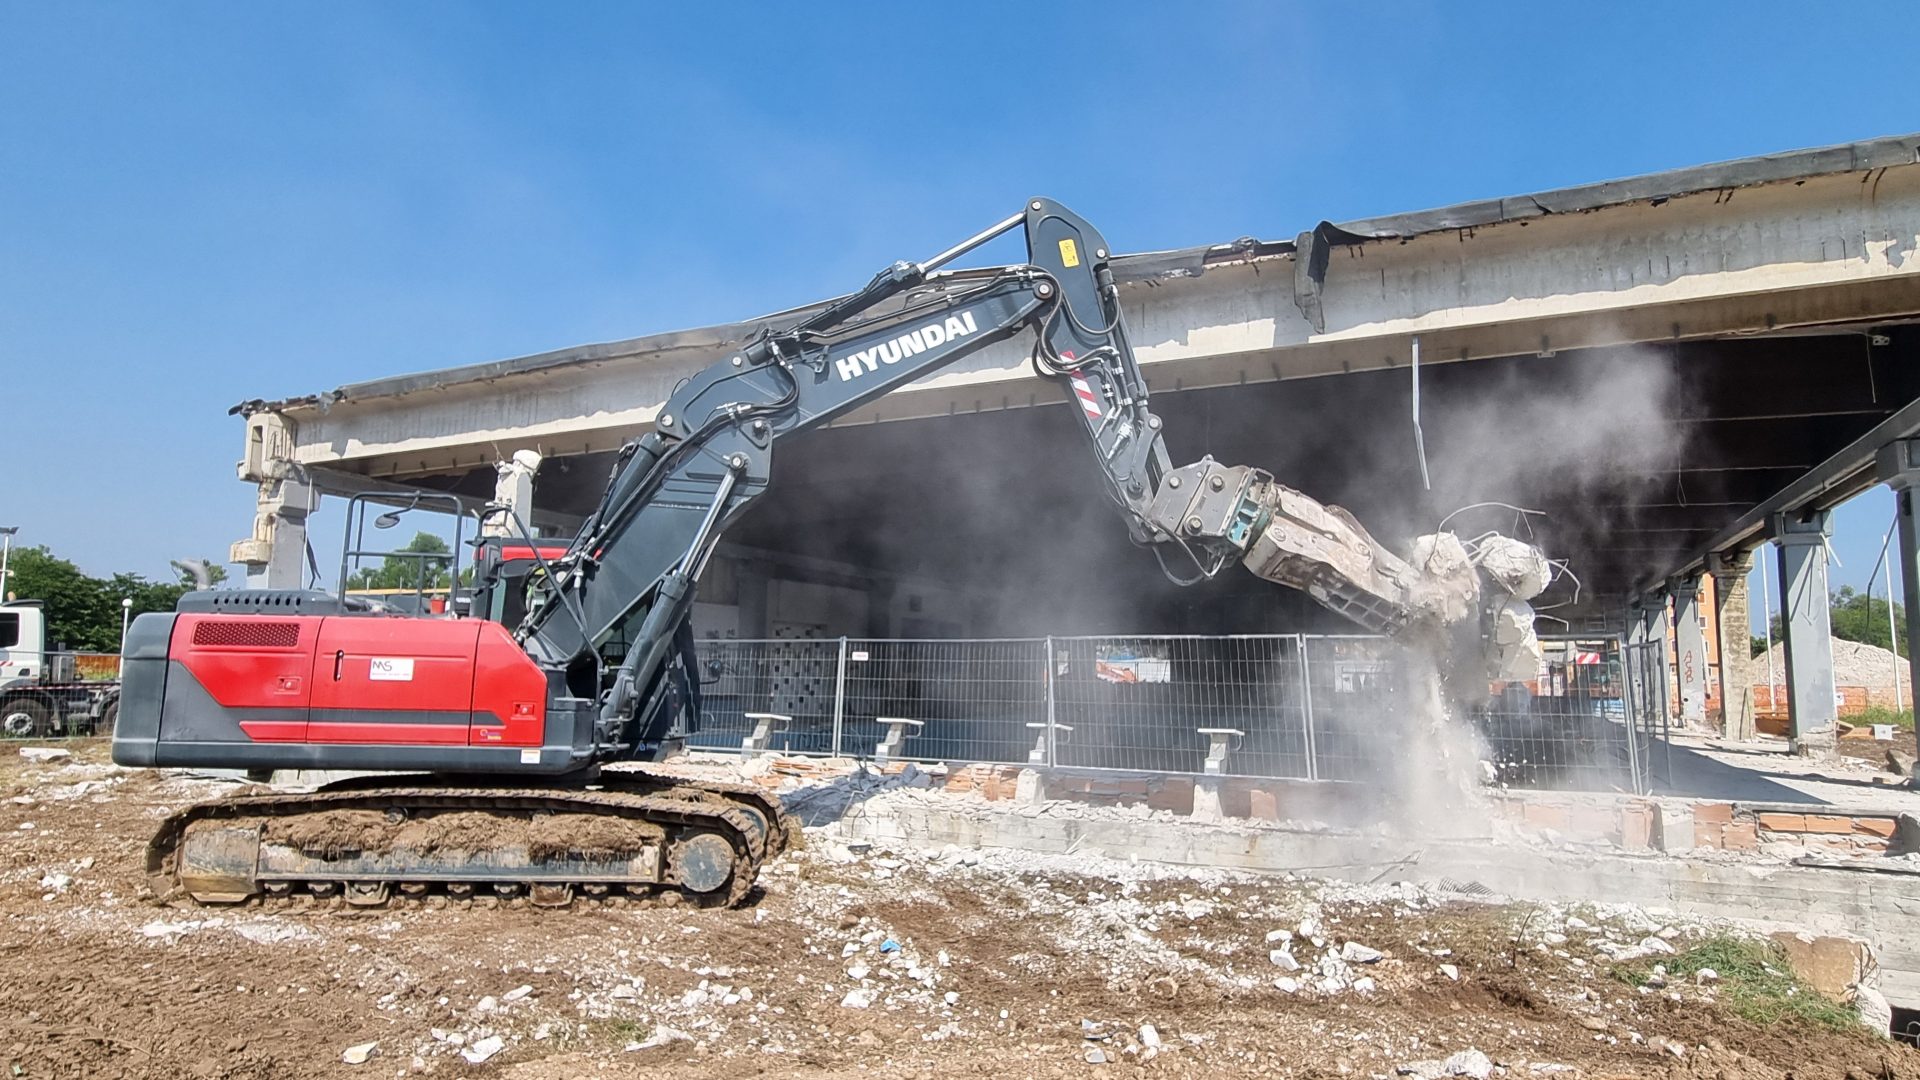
{"x": 848, "y": 963}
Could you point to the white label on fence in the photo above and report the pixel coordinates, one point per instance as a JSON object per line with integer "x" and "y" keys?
{"x": 390, "y": 669}
{"x": 858, "y": 654}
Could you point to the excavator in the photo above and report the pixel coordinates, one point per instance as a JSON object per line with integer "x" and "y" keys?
{"x": 483, "y": 737}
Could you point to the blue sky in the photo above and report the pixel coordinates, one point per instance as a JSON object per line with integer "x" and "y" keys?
{"x": 201, "y": 203}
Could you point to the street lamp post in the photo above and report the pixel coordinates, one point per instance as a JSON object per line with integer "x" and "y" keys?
{"x": 126, "y": 613}
{"x": 6, "y": 549}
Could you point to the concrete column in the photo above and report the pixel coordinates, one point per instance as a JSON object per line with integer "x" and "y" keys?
{"x": 1636, "y": 623}
{"x": 1732, "y": 617}
{"x": 1690, "y": 650}
{"x": 751, "y": 582}
{"x": 880, "y": 596}
{"x": 275, "y": 555}
{"x": 1802, "y": 539}
{"x": 513, "y": 488}
{"x": 1656, "y": 619}
{"x": 1900, "y": 468}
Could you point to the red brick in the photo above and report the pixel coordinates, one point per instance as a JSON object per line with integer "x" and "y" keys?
{"x": 1174, "y": 793}
{"x": 1741, "y": 836}
{"x": 1713, "y": 813}
{"x": 1263, "y": 804}
{"x": 1829, "y": 823}
{"x": 1873, "y": 826}
{"x": 1545, "y": 816}
{"x": 1636, "y": 827}
{"x": 1592, "y": 822}
{"x": 1708, "y": 836}
{"x": 1783, "y": 822}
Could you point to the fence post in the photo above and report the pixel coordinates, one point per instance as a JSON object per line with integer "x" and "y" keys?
{"x": 1046, "y": 672}
{"x": 839, "y": 695}
{"x": 1306, "y": 709}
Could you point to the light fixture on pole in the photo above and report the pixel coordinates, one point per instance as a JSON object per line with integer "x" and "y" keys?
{"x": 6, "y": 549}
{"x": 126, "y": 613}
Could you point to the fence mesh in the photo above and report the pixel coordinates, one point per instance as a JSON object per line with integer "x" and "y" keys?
{"x": 1322, "y": 707}
{"x": 1148, "y": 703}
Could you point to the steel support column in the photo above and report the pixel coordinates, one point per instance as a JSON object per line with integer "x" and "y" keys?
{"x": 1802, "y": 539}
{"x": 1689, "y": 650}
{"x": 1899, "y": 465}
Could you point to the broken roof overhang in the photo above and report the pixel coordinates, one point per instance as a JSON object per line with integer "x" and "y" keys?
{"x": 1153, "y": 267}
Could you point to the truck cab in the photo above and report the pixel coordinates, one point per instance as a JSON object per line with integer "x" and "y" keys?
{"x": 42, "y": 690}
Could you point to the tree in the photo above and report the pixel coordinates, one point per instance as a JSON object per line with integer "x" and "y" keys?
{"x": 84, "y": 612}
{"x": 404, "y": 571}
{"x": 1855, "y": 617}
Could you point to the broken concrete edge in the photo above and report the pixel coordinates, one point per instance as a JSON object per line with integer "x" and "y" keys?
{"x": 1835, "y": 941}
{"x": 1632, "y": 823}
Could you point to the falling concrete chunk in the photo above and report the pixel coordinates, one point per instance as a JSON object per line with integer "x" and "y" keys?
{"x": 358, "y": 1055}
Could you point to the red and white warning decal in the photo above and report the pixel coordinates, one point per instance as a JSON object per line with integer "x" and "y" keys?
{"x": 1089, "y": 400}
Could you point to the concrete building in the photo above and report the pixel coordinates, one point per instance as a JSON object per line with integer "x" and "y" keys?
{"x": 1669, "y": 368}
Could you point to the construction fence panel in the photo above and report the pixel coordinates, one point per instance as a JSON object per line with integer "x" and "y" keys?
{"x": 1286, "y": 706}
{"x": 792, "y": 678}
{"x": 1356, "y": 692}
{"x": 1155, "y": 704}
{"x": 961, "y": 700}
{"x": 1649, "y": 718}
{"x": 1572, "y": 727}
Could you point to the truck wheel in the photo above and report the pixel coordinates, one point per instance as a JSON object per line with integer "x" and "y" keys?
{"x": 24, "y": 718}
{"x": 108, "y": 717}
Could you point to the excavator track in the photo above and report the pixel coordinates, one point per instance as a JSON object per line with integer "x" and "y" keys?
{"x": 371, "y": 841}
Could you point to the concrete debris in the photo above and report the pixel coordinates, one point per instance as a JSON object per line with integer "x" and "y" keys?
{"x": 1656, "y": 944}
{"x": 483, "y": 1049}
{"x": 1279, "y": 936}
{"x": 1149, "y": 1036}
{"x": 1283, "y": 960}
{"x": 857, "y": 999}
{"x": 1287, "y": 985}
{"x": 624, "y": 992}
{"x": 1593, "y": 1023}
{"x": 662, "y": 1035}
{"x": 44, "y": 754}
{"x": 486, "y": 1004}
{"x": 1875, "y": 1013}
{"x": 358, "y": 1055}
{"x": 1469, "y": 1063}
{"x": 56, "y": 881}
{"x": 1514, "y": 565}
{"x": 1450, "y": 971}
{"x": 516, "y": 993}
{"x": 1363, "y": 985}
{"x": 1899, "y": 764}
{"x": 1355, "y": 953}
{"x": 1096, "y": 1056}
{"x": 1706, "y": 976}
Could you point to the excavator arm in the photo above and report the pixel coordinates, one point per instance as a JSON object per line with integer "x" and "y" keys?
{"x": 608, "y": 613}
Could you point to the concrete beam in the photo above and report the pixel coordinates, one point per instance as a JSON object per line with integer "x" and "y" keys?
{"x": 1780, "y": 255}
{"x": 1806, "y": 620}
{"x": 1690, "y": 650}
